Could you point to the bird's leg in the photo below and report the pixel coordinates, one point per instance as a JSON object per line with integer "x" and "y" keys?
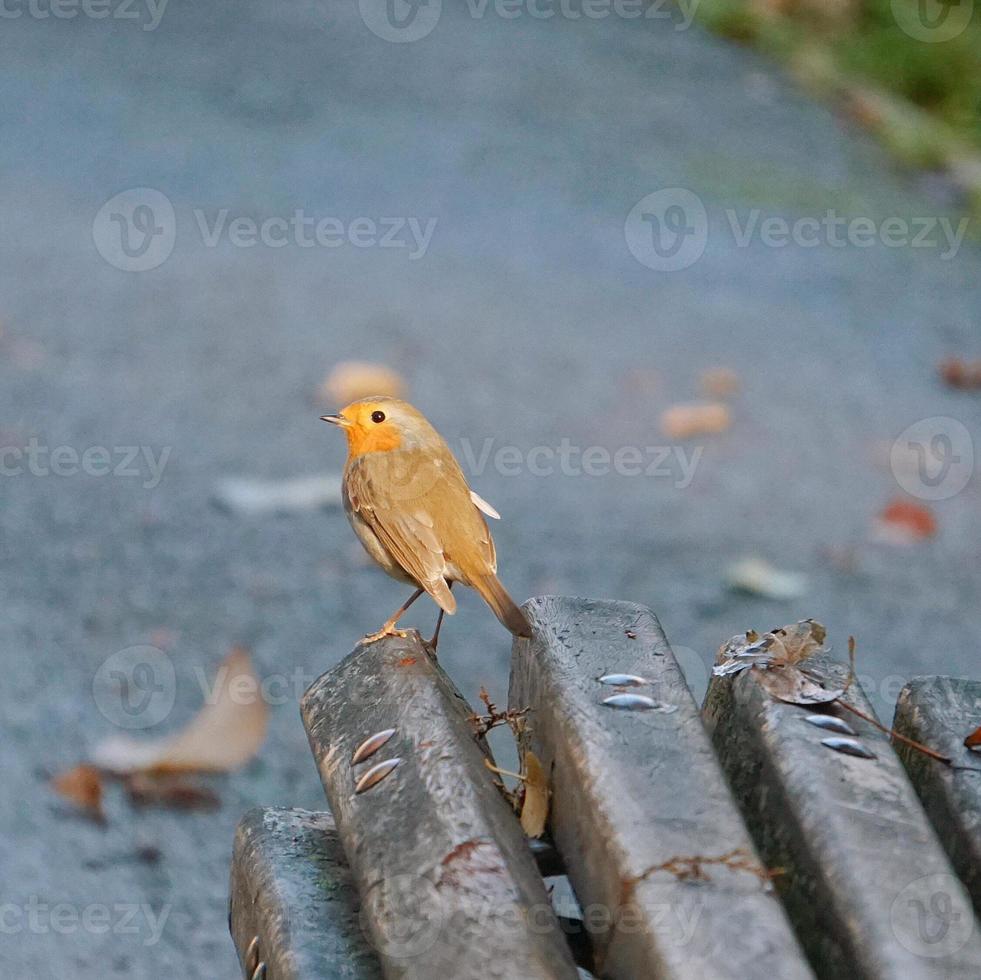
{"x": 439, "y": 622}
{"x": 389, "y": 628}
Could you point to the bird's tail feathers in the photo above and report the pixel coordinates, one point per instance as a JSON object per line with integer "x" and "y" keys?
{"x": 503, "y": 606}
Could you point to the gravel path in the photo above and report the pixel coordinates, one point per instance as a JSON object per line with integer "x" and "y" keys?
{"x": 524, "y": 320}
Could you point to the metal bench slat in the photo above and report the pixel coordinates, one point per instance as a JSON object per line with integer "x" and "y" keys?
{"x": 941, "y": 712}
{"x": 449, "y": 886}
{"x": 293, "y": 904}
{"x": 863, "y": 865}
{"x": 634, "y": 789}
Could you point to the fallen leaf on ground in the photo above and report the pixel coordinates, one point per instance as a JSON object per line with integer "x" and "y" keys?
{"x": 224, "y": 735}
{"x": 174, "y": 791}
{"x": 973, "y": 741}
{"x": 695, "y": 419}
{"x": 534, "y": 809}
{"x": 720, "y": 382}
{"x": 350, "y": 380}
{"x": 904, "y": 522}
{"x": 83, "y": 787}
{"x": 961, "y": 374}
{"x": 248, "y": 497}
{"x": 758, "y": 577}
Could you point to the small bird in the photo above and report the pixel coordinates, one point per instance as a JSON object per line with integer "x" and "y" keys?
{"x": 412, "y": 509}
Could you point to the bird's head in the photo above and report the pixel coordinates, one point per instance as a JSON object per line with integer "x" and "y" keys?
{"x": 378, "y": 424}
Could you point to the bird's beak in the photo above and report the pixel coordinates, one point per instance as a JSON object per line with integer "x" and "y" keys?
{"x": 335, "y": 420}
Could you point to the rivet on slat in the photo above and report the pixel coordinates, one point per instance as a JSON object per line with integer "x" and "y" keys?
{"x": 371, "y": 745}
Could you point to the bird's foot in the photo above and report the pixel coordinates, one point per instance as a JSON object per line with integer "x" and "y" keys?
{"x": 389, "y": 629}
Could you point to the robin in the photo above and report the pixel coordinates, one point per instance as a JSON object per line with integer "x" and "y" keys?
{"x": 409, "y": 504}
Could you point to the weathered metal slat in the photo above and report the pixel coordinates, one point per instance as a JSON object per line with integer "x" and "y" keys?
{"x": 448, "y": 885}
{"x": 941, "y": 712}
{"x": 863, "y": 867}
{"x": 293, "y": 911}
{"x": 637, "y": 789}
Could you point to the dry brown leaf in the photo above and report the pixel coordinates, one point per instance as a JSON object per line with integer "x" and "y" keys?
{"x": 224, "y": 735}
{"x": 789, "y": 683}
{"x": 695, "y": 419}
{"x": 351, "y": 380}
{"x": 775, "y": 658}
{"x": 973, "y": 741}
{"x": 534, "y": 809}
{"x": 83, "y": 786}
{"x": 720, "y": 382}
{"x": 784, "y": 645}
{"x": 905, "y": 522}
{"x": 799, "y": 641}
{"x": 961, "y": 374}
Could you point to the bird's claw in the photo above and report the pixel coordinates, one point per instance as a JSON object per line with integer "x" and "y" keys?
{"x": 383, "y": 632}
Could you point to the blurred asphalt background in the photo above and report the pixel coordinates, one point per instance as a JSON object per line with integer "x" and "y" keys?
{"x": 528, "y": 320}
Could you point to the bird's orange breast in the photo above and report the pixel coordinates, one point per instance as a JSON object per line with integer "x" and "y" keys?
{"x": 377, "y": 439}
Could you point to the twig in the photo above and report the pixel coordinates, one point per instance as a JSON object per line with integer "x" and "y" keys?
{"x": 912, "y": 743}
{"x": 851, "y": 666}
{"x": 484, "y": 723}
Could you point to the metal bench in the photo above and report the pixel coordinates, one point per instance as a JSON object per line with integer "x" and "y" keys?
{"x": 666, "y": 828}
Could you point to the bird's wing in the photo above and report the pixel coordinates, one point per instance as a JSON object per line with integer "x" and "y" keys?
{"x": 403, "y": 524}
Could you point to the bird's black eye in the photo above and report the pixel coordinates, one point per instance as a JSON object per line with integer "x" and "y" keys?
{"x": 377, "y": 416}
